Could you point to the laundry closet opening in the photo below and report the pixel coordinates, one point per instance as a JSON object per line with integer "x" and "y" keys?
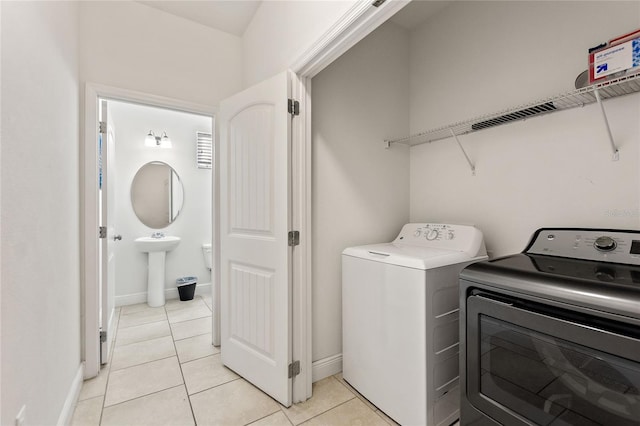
{"x": 162, "y": 183}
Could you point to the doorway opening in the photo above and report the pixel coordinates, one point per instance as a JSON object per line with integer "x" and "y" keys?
{"x": 159, "y": 190}
{"x": 122, "y": 124}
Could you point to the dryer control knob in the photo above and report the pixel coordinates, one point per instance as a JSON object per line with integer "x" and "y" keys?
{"x": 432, "y": 234}
{"x": 605, "y": 244}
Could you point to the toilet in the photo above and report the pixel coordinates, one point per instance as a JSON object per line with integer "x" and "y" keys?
{"x": 208, "y": 256}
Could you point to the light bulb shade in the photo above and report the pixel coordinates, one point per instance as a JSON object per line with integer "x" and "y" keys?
{"x": 165, "y": 142}
{"x": 150, "y": 140}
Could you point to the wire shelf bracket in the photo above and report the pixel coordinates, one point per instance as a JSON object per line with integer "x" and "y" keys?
{"x": 471, "y": 165}
{"x": 616, "y": 153}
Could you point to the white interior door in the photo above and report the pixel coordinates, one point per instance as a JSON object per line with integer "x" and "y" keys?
{"x": 255, "y": 290}
{"x": 107, "y": 218}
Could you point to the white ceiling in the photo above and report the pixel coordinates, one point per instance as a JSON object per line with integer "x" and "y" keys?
{"x": 231, "y": 16}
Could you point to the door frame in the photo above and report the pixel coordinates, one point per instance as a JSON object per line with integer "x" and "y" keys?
{"x": 89, "y": 227}
{"x": 353, "y": 26}
{"x": 358, "y": 22}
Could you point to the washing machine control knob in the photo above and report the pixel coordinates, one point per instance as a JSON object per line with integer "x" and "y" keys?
{"x": 449, "y": 235}
{"x": 432, "y": 234}
{"x": 605, "y": 244}
{"x": 417, "y": 233}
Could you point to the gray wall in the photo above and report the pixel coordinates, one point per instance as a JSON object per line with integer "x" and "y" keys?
{"x": 40, "y": 266}
{"x": 154, "y": 52}
{"x": 476, "y": 58}
{"x": 360, "y": 190}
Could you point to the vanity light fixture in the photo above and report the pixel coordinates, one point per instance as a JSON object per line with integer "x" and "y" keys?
{"x": 156, "y": 141}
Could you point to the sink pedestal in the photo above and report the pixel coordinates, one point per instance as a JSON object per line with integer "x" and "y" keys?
{"x": 157, "y": 249}
{"x": 155, "y": 280}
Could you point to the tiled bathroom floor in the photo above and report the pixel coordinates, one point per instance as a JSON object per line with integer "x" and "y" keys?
{"x": 164, "y": 371}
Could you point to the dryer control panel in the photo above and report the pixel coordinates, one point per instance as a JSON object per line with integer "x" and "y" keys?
{"x": 603, "y": 245}
{"x": 465, "y": 238}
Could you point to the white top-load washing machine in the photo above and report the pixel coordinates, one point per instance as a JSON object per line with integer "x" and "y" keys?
{"x": 400, "y": 320}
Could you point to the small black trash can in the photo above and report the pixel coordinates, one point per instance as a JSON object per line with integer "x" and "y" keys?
{"x": 186, "y": 287}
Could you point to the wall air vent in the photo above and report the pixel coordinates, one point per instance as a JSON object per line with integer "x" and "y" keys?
{"x": 204, "y": 150}
{"x": 517, "y": 115}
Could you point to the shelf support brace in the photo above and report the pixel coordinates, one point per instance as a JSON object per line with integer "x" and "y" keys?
{"x": 616, "y": 153}
{"x": 473, "y": 168}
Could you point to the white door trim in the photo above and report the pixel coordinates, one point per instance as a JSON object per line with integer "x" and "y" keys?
{"x": 302, "y": 330}
{"x": 359, "y": 21}
{"x": 89, "y": 228}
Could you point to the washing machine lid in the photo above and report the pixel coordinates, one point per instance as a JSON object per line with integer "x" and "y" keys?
{"x": 409, "y": 256}
{"x": 426, "y": 246}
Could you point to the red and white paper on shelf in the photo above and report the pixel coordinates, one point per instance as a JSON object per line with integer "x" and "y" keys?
{"x": 620, "y": 54}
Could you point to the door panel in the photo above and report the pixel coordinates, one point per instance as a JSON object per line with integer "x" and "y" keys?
{"x": 251, "y": 171}
{"x": 252, "y": 324}
{"x": 255, "y": 216}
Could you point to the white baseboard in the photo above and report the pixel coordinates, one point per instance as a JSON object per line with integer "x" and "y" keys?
{"x": 326, "y": 367}
{"x": 203, "y": 289}
{"x": 72, "y": 398}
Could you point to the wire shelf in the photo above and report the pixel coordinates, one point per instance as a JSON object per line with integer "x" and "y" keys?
{"x": 577, "y": 98}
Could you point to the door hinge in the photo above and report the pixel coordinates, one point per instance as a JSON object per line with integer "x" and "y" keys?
{"x": 294, "y": 369}
{"x": 103, "y": 336}
{"x": 102, "y": 232}
{"x": 377, "y": 3}
{"x": 103, "y": 127}
{"x": 294, "y": 238}
{"x": 294, "y": 107}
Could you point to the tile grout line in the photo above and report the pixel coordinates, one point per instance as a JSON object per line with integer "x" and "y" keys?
{"x": 132, "y": 366}
{"x": 146, "y": 362}
{"x": 324, "y": 412}
{"x": 195, "y": 335}
{"x": 213, "y": 387}
{"x": 268, "y": 415}
{"x": 190, "y": 319}
{"x": 377, "y": 412}
{"x": 145, "y": 395}
{"x": 184, "y": 382}
{"x": 362, "y": 398}
{"x": 113, "y": 348}
{"x": 200, "y": 357}
{"x": 145, "y": 340}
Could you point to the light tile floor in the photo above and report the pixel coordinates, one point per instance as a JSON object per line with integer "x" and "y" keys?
{"x": 164, "y": 371}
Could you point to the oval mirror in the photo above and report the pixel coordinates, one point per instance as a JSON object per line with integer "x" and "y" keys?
{"x": 156, "y": 194}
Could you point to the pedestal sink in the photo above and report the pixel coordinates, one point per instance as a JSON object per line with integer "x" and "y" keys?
{"x": 157, "y": 249}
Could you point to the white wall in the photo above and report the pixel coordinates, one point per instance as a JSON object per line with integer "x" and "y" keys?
{"x": 129, "y": 45}
{"x": 39, "y": 209}
{"x": 360, "y": 189}
{"x": 281, "y": 31}
{"x": 193, "y": 225}
{"x": 475, "y": 58}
